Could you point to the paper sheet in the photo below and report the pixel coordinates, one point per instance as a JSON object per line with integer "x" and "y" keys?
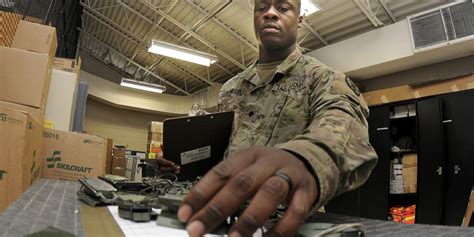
{"x": 132, "y": 229}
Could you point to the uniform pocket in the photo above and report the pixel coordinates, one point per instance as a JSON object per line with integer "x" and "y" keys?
{"x": 280, "y": 99}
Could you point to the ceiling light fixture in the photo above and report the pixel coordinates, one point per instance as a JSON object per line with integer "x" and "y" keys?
{"x": 308, "y": 7}
{"x": 182, "y": 53}
{"x": 142, "y": 85}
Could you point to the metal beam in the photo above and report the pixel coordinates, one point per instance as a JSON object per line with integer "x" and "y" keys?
{"x": 131, "y": 37}
{"x": 224, "y": 26}
{"x": 195, "y": 35}
{"x": 155, "y": 27}
{"x": 195, "y": 28}
{"x": 312, "y": 30}
{"x": 170, "y": 34}
{"x": 367, "y": 12}
{"x": 200, "y": 23}
{"x": 387, "y": 10}
{"x": 133, "y": 62}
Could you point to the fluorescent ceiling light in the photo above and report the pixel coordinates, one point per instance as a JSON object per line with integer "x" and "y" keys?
{"x": 308, "y": 7}
{"x": 142, "y": 85}
{"x": 182, "y": 53}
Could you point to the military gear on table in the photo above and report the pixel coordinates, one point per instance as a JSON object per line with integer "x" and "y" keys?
{"x": 309, "y": 109}
{"x": 95, "y": 191}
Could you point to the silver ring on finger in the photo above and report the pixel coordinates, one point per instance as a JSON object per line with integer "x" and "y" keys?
{"x": 285, "y": 177}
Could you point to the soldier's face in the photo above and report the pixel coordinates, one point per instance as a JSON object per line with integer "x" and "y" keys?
{"x": 276, "y": 23}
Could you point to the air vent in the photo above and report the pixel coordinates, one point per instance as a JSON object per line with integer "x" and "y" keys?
{"x": 442, "y": 26}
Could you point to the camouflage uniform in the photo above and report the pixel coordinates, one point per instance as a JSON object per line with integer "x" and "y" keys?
{"x": 309, "y": 109}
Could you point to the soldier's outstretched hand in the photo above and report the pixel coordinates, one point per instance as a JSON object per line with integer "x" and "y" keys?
{"x": 267, "y": 176}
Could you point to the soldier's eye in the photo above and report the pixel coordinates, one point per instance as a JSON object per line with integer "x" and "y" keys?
{"x": 260, "y": 7}
{"x": 284, "y": 8}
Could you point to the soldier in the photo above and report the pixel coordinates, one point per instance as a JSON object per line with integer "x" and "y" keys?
{"x": 300, "y": 135}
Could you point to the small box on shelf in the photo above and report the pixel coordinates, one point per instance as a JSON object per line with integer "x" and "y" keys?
{"x": 155, "y": 127}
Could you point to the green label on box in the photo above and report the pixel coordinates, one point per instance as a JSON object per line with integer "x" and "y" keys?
{"x": 3, "y": 117}
{"x": 51, "y": 161}
{"x": 54, "y": 162}
{"x": 2, "y": 174}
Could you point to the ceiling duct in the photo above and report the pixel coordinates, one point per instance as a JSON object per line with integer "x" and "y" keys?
{"x": 439, "y": 27}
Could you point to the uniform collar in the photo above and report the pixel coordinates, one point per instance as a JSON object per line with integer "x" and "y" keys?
{"x": 283, "y": 68}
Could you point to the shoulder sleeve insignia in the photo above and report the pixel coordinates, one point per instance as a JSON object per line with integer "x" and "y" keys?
{"x": 353, "y": 86}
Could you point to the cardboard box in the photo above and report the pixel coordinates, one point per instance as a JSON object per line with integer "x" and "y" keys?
{"x": 71, "y": 156}
{"x": 155, "y": 127}
{"x": 118, "y": 152}
{"x": 409, "y": 188}
{"x": 154, "y": 136}
{"x": 119, "y": 162}
{"x": 409, "y": 176}
{"x": 67, "y": 65}
{"x": 25, "y": 77}
{"x": 108, "y": 159}
{"x": 20, "y": 149}
{"x": 410, "y": 160}
{"x": 37, "y": 113}
{"x": 119, "y": 171}
{"x": 36, "y": 37}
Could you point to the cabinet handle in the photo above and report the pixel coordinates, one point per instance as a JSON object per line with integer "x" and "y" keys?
{"x": 440, "y": 170}
{"x": 382, "y": 129}
{"x": 448, "y": 121}
{"x": 457, "y": 169}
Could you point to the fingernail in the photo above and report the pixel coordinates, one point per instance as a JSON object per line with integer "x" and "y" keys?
{"x": 196, "y": 228}
{"x": 235, "y": 234}
{"x": 184, "y": 213}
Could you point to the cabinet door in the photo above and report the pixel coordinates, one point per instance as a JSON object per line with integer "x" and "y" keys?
{"x": 344, "y": 204}
{"x": 373, "y": 196}
{"x": 458, "y": 121}
{"x": 430, "y": 162}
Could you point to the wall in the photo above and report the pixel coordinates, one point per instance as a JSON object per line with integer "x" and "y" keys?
{"x": 386, "y": 50}
{"x": 425, "y": 74}
{"x": 126, "y": 127}
{"x": 127, "y": 98}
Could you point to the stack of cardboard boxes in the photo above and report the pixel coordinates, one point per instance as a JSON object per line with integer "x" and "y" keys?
{"x": 409, "y": 172}
{"x": 155, "y": 132}
{"x": 26, "y": 68}
{"x": 403, "y": 172}
{"x": 125, "y": 163}
{"x": 27, "y": 150}
{"x": 119, "y": 161}
{"x": 20, "y": 153}
{"x": 396, "y": 176}
{"x": 25, "y": 71}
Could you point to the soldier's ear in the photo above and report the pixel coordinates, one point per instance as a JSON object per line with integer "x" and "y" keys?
{"x": 300, "y": 21}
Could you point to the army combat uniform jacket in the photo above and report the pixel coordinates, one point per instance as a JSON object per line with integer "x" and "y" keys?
{"x": 309, "y": 109}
